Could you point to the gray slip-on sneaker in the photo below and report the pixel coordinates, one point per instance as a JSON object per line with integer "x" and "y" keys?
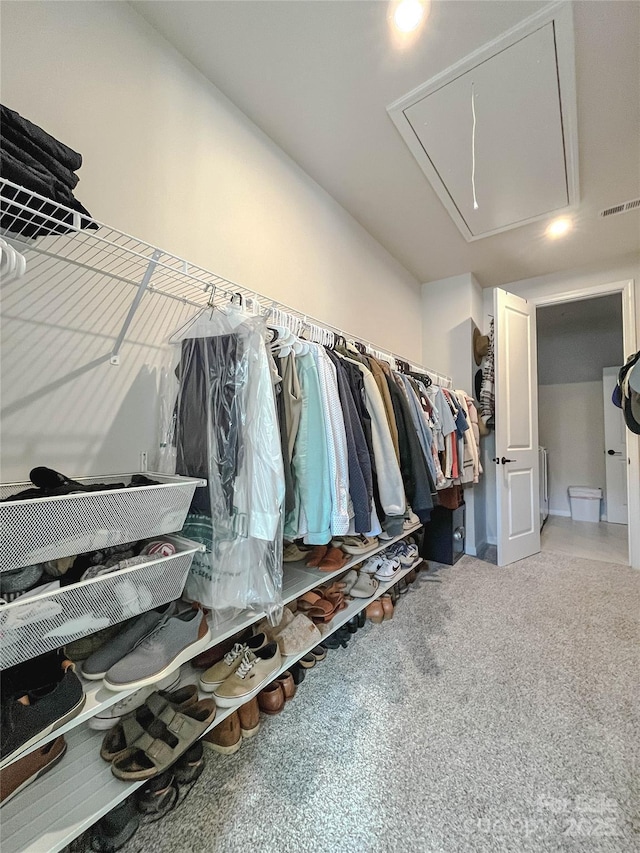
{"x": 96, "y": 665}
{"x": 179, "y": 636}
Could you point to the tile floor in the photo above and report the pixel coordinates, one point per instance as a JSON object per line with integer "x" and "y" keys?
{"x": 601, "y": 541}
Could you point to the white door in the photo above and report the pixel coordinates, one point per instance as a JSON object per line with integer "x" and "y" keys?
{"x": 516, "y": 426}
{"x": 615, "y": 447}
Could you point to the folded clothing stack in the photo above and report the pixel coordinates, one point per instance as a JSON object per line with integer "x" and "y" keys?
{"x": 48, "y": 483}
{"x": 38, "y": 162}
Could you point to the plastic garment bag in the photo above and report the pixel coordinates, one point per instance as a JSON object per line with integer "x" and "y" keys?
{"x": 225, "y": 430}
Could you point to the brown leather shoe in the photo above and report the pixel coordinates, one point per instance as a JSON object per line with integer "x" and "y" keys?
{"x": 271, "y": 700}
{"x": 288, "y": 685}
{"x": 375, "y": 613}
{"x": 226, "y": 737}
{"x": 249, "y": 715}
{"x": 26, "y": 770}
{"x": 387, "y": 607}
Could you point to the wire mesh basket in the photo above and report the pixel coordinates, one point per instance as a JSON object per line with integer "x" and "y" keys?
{"x": 39, "y": 529}
{"x": 33, "y": 625}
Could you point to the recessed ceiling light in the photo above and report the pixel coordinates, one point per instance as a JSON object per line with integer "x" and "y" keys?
{"x": 408, "y": 15}
{"x": 559, "y": 227}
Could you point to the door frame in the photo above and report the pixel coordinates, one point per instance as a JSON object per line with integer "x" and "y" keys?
{"x": 630, "y": 345}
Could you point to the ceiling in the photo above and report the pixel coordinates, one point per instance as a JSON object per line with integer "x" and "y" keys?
{"x": 317, "y": 78}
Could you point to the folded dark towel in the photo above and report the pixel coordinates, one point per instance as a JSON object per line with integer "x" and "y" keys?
{"x": 56, "y": 149}
{"x": 22, "y": 148}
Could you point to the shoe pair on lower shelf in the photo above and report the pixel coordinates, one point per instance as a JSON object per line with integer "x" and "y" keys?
{"x": 153, "y": 737}
{"x": 243, "y": 671}
{"x": 380, "y": 610}
{"x": 227, "y": 737}
{"x": 155, "y": 799}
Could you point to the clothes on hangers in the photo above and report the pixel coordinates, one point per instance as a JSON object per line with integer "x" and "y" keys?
{"x": 226, "y": 430}
{"x": 487, "y": 390}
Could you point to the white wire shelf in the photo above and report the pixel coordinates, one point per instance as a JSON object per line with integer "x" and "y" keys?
{"x": 33, "y": 530}
{"x": 107, "y": 254}
{"x": 40, "y": 820}
{"x": 298, "y": 579}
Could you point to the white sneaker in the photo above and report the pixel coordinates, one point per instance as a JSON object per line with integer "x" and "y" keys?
{"x": 388, "y": 570}
{"x": 27, "y": 614}
{"x": 371, "y": 566}
{"x": 110, "y": 716}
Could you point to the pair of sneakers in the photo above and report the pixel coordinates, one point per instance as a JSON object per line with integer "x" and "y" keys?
{"x": 406, "y": 552}
{"x": 243, "y": 671}
{"x": 383, "y": 567}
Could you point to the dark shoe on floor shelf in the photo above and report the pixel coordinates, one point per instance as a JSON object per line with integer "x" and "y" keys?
{"x": 226, "y": 737}
{"x": 53, "y": 697}
{"x": 287, "y": 684}
{"x": 362, "y": 619}
{"x": 271, "y": 700}
{"x": 158, "y": 796}
{"x": 115, "y": 829}
{"x": 298, "y": 672}
{"x": 249, "y": 715}
{"x": 352, "y": 625}
{"x": 189, "y": 767}
{"x": 26, "y": 770}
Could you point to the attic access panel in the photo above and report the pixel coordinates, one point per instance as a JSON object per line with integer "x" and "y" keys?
{"x": 523, "y": 88}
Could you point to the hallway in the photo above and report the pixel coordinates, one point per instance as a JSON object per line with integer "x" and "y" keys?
{"x": 601, "y": 541}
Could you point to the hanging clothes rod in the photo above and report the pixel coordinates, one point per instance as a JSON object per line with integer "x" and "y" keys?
{"x": 98, "y": 248}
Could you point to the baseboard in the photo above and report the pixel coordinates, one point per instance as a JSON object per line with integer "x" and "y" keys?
{"x": 492, "y": 540}
{"x": 479, "y": 549}
{"x": 566, "y": 513}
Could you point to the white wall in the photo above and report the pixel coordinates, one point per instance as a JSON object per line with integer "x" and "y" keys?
{"x": 571, "y": 420}
{"x": 169, "y": 159}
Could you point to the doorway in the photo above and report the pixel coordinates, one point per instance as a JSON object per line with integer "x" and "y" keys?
{"x": 581, "y": 433}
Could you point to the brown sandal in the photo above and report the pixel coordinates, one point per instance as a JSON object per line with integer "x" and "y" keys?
{"x": 316, "y": 556}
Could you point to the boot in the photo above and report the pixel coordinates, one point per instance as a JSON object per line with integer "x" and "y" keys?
{"x": 226, "y": 737}
{"x": 249, "y": 715}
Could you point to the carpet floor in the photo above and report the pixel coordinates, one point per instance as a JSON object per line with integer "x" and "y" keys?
{"x": 497, "y": 711}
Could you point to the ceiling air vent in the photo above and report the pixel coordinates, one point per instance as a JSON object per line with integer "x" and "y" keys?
{"x": 624, "y": 207}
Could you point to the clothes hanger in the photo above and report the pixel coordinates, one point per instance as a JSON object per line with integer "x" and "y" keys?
{"x": 188, "y": 323}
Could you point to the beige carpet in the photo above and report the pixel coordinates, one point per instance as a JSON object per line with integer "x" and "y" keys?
{"x": 496, "y": 712}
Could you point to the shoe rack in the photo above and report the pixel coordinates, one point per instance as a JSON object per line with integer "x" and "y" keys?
{"x": 81, "y": 789}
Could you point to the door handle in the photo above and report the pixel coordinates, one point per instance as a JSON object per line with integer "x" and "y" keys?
{"x": 504, "y": 460}
{"x": 614, "y": 452}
